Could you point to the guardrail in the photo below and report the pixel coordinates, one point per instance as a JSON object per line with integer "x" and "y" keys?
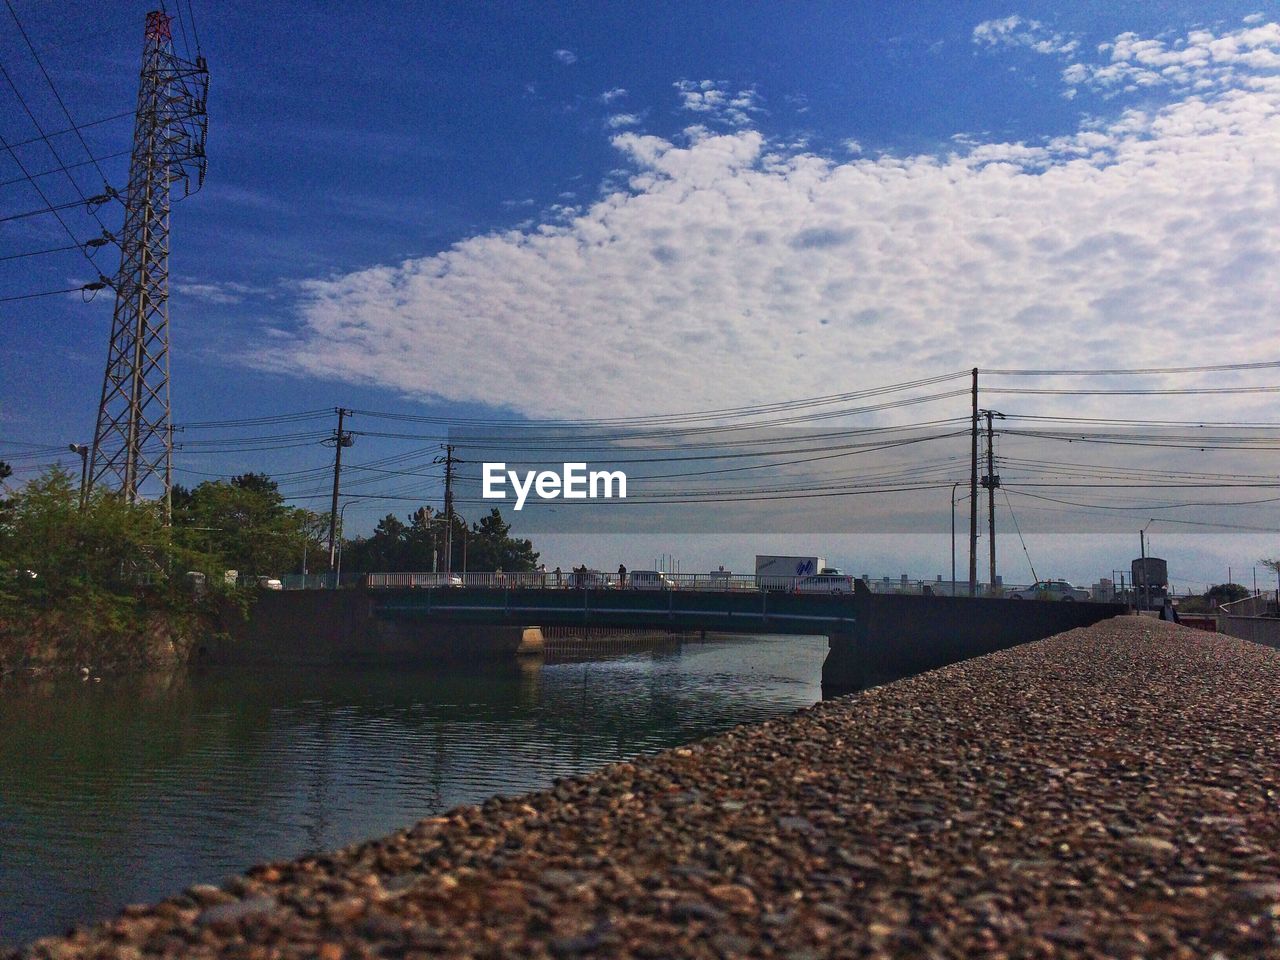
{"x": 649, "y": 580}
{"x": 1254, "y": 606}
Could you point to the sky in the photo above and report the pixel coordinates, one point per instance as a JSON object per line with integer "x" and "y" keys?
{"x": 511, "y": 212}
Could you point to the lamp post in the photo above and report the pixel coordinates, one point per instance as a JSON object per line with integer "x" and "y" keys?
{"x": 337, "y": 573}
{"x": 953, "y": 535}
{"x": 83, "y": 450}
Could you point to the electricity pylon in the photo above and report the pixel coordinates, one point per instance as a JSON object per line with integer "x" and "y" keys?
{"x": 133, "y": 441}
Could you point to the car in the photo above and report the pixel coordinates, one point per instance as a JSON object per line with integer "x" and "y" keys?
{"x": 649, "y": 580}
{"x": 270, "y": 583}
{"x": 1049, "y": 590}
{"x": 419, "y": 580}
{"x": 587, "y": 580}
{"x": 830, "y": 580}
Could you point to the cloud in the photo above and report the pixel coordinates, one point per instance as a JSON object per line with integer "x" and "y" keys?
{"x": 1200, "y": 62}
{"x": 619, "y": 120}
{"x": 566, "y": 57}
{"x": 1015, "y": 31}
{"x": 226, "y": 292}
{"x": 725, "y": 269}
{"x": 714, "y": 99}
{"x": 611, "y": 95}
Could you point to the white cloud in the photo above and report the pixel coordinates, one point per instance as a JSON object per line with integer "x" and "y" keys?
{"x": 619, "y": 120}
{"x": 566, "y": 56}
{"x": 1197, "y": 63}
{"x": 1016, "y": 31}
{"x": 1254, "y": 18}
{"x": 714, "y": 99}
{"x": 853, "y": 146}
{"x": 728, "y": 270}
{"x": 611, "y": 95}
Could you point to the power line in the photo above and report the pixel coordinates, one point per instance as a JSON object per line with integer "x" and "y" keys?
{"x": 22, "y": 167}
{"x": 57, "y": 96}
{"x": 52, "y": 207}
{"x": 54, "y": 150}
{"x": 40, "y": 253}
{"x": 1184, "y": 391}
{"x": 69, "y": 166}
{"x": 94, "y": 287}
{"x": 1136, "y": 371}
{"x": 73, "y": 129}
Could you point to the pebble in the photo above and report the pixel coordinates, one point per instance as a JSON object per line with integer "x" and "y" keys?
{"x": 1111, "y": 791}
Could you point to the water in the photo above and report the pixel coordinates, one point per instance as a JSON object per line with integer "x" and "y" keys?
{"x": 130, "y": 789}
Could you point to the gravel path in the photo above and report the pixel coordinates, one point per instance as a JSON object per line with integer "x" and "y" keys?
{"x": 1112, "y": 791}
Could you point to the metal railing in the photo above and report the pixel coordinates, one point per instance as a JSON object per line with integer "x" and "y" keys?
{"x": 649, "y": 580}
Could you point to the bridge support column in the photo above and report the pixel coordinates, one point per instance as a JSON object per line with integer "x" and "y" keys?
{"x": 845, "y": 669}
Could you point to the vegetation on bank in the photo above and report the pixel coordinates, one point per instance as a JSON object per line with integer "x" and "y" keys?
{"x": 111, "y": 583}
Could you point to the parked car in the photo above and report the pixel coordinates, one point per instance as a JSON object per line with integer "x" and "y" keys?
{"x": 649, "y": 580}
{"x": 419, "y": 580}
{"x": 270, "y": 583}
{"x": 830, "y": 580}
{"x": 587, "y": 580}
{"x": 1049, "y": 590}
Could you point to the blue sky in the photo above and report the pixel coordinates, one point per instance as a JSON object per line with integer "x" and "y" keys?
{"x": 569, "y": 210}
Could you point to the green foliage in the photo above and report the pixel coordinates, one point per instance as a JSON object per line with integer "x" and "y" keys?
{"x": 420, "y": 544}
{"x": 491, "y": 547}
{"x": 1272, "y": 565}
{"x": 244, "y": 525}
{"x": 1225, "y": 593}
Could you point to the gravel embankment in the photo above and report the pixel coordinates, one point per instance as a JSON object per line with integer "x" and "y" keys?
{"x": 1112, "y": 791}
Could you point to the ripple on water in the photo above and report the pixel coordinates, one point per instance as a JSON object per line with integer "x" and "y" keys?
{"x": 129, "y": 790}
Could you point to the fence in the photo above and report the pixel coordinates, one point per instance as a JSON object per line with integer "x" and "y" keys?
{"x": 652, "y": 580}
{"x": 1244, "y": 619}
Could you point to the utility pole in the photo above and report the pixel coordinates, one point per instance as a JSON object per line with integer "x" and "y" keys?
{"x": 132, "y": 442}
{"x": 990, "y": 482}
{"x": 340, "y": 439}
{"x": 83, "y": 450}
{"x": 973, "y": 493}
{"x": 448, "y": 508}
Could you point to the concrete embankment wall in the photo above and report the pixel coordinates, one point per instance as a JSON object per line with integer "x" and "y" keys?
{"x": 1263, "y": 630}
{"x": 1109, "y": 792}
{"x": 337, "y": 626}
{"x": 898, "y": 636}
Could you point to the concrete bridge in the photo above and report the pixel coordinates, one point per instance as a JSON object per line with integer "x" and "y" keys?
{"x": 872, "y": 637}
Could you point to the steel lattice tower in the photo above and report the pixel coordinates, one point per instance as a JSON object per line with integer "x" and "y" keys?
{"x": 133, "y": 441}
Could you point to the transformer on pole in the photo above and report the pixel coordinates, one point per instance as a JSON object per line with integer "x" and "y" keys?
{"x": 133, "y": 441}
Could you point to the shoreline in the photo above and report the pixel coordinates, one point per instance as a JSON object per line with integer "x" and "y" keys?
{"x": 1105, "y": 790}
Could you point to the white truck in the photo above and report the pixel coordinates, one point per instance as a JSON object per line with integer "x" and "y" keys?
{"x": 781, "y": 573}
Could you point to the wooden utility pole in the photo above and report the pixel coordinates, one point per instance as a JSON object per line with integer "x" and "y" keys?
{"x": 340, "y": 439}
{"x": 973, "y": 493}
{"x": 448, "y": 508}
{"x": 991, "y": 481}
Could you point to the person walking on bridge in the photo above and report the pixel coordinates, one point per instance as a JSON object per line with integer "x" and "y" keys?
{"x": 622, "y": 576}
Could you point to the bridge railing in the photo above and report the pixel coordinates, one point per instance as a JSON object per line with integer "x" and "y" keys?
{"x": 646, "y": 580}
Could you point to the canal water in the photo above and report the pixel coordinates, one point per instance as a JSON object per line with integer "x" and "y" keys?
{"x": 128, "y": 790}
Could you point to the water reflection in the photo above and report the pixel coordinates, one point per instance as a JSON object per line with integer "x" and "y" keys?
{"x": 128, "y": 790}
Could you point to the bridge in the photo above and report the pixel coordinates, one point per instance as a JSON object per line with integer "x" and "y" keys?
{"x": 872, "y": 637}
{"x": 722, "y": 611}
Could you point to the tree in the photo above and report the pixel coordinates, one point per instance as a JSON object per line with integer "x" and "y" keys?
{"x": 245, "y": 525}
{"x": 491, "y": 547}
{"x": 1274, "y": 567}
{"x": 109, "y": 545}
{"x": 1225, "y": 593}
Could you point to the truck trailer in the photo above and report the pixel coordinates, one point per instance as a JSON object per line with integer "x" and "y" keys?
{"x": 779, "y": 573}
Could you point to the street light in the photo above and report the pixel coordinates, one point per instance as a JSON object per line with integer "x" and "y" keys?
{"x": 953, "y": 535}
{"x": 83, "y": 450}
{"x": 337, "y": 572}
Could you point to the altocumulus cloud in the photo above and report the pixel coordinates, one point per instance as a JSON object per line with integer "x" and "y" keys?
{"x": 731, "y": 271}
